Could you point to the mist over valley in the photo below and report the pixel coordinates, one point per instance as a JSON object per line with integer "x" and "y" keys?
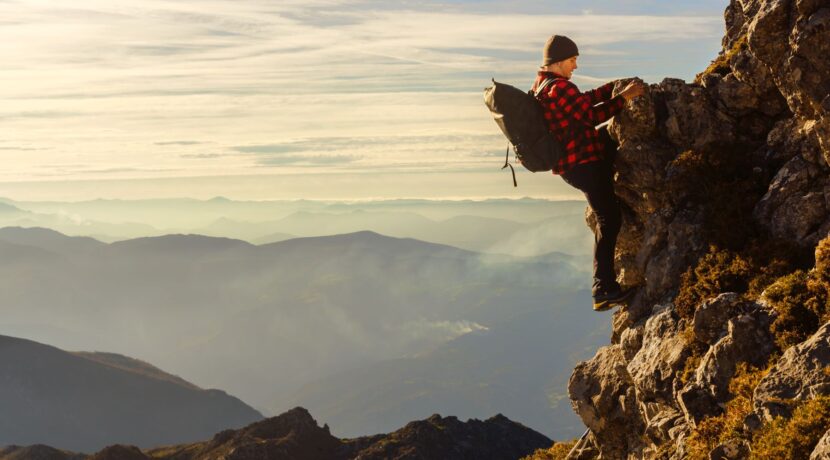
{"x": 367, "y": 330}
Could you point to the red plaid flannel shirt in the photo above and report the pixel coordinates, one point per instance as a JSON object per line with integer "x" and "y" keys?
{"x": 573, "y": 116}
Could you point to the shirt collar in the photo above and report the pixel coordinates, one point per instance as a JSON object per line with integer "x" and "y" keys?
{"x": 545, "y": 74}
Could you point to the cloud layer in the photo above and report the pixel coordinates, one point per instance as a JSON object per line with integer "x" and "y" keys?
{"x": 158, "y": 89}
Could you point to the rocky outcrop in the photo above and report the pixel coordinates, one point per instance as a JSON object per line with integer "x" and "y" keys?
{"x": 753, "y": 104}
{"x": 604, "y": 396}
{"x": 447, "y": 437}
{"x": 656, "y": 366}
{"x": 296, "y": 435}
{"x": 748, "y": 340}
{"x": 711, "y": 318}
{"x": 801, "y": 373}
{"x": 743, "y": 152}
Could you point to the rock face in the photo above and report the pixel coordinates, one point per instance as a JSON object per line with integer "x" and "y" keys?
{"x": 743, "y": 150}
{"x": 747, "y": 340}
{"x": 800, "y": 374}
{"x": 752, "y": 103}
{"x": 604, "y": 396}
{"x": 296, "y": 435}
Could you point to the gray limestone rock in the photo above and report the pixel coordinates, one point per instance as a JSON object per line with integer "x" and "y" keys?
{"x": 631, "y": 341}
{"x": 822, "y": 449}
{"x": 747, "y": 340}
{"x": 603, "y": 395}
{"x": 795, "y": 207}
{"x": 682, "y": 242}
{"x": 654, "y": 369}
{"x": 661, "y": 422}
{"x": 712, "y": 317}
{"x": 799, "y": 375}
{"x": 692, "y": 121}
{"x": 734, "y": 449}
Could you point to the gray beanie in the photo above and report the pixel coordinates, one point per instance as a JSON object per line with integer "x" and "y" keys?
{"x": 558, "y": 48}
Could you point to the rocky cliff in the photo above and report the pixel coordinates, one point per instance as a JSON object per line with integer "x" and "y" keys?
{"x": 725, "y": 350}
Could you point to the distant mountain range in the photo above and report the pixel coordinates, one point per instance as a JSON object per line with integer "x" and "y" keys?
{"x": 295, "y": 435}
{"x": 85, "y": 401}
{"x": 262, "y": 322}
{"x": 524, "y": 227}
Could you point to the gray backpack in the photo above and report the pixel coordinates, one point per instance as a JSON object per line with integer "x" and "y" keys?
{"x": 521, "y": 118}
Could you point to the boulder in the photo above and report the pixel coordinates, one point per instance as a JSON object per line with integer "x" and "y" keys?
{"x": 661, "y": 422}
{"x": 800, "y": 374}
{"x": 692, "y": 120}
{"x": 747, "y": 340}
{"x": 655, "y": 368}
{"x": 631, "y": 341}
{"x": 603, "y": 395}
{"x": 734, "y": 449}
{"x": 712, "y": 317}
{"x": 682, "y": 242}
{"x": 795, "y": 207}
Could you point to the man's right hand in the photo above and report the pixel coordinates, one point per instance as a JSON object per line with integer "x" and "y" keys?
{"x": 633, "y": 90}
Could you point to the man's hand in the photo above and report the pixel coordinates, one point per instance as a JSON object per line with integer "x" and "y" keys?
{"x": 633, "y": 90}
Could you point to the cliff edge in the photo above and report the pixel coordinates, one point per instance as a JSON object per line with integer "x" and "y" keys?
{"x": 725, "y": 350}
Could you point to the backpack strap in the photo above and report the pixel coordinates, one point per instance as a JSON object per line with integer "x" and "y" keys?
{"x": 542, "y": 86}
{"x": 507, "y": 163}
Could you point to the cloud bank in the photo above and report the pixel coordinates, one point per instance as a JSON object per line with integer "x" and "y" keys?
{"x": 156, "y": 89}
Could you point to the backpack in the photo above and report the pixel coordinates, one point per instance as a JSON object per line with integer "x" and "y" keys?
{"x": 521, "y": 118}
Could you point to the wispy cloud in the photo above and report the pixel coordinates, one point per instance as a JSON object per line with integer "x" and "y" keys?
{"x": 306, "y": 160}
{"x": 142, "y": 87}
{"x": 180, "y": 143}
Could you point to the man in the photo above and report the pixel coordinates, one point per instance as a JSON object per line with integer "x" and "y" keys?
{"x": 589, "y": 161}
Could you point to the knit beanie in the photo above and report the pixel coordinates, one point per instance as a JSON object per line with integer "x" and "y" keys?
{"x": 558, "y": 48}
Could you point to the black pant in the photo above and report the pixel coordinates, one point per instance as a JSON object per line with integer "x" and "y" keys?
{"x": 596, "y": 181}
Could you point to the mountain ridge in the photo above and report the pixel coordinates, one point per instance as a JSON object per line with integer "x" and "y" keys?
{"x": 68, "y": 400}
{"x": 295, "y": 435}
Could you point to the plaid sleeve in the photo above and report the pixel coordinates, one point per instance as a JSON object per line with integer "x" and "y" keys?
{"x": 601, "y": 94}
{"x": 565, "y": 97}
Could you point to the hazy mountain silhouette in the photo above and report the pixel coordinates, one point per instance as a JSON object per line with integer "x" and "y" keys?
{"x": 507, "y": 369}
{"x": 253, "y": 232}
{"x": 83, "y": 402}
{"x": 37, "y": 452}
{"x": 50, "y": 240}
{"x": 522, "y": 227}
{"x": 262, "y": 321}
{"x": 295, "y": 435}
{"x": 7, "y": 209}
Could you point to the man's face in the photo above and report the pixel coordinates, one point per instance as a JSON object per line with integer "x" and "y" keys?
{"x": 568, "y": 66}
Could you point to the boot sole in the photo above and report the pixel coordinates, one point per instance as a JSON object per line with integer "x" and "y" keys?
{"x": 605, "y": 305}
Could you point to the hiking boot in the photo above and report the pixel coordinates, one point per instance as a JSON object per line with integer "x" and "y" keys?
{"x": 606, "y": 300}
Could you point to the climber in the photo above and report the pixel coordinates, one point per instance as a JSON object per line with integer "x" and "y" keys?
{"x": 589, "y": 161}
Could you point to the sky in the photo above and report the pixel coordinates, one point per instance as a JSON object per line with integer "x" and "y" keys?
{"x": 311, "y": 99}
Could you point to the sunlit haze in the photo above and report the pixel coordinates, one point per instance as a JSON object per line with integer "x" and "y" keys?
{"x": 321, "y": 99}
